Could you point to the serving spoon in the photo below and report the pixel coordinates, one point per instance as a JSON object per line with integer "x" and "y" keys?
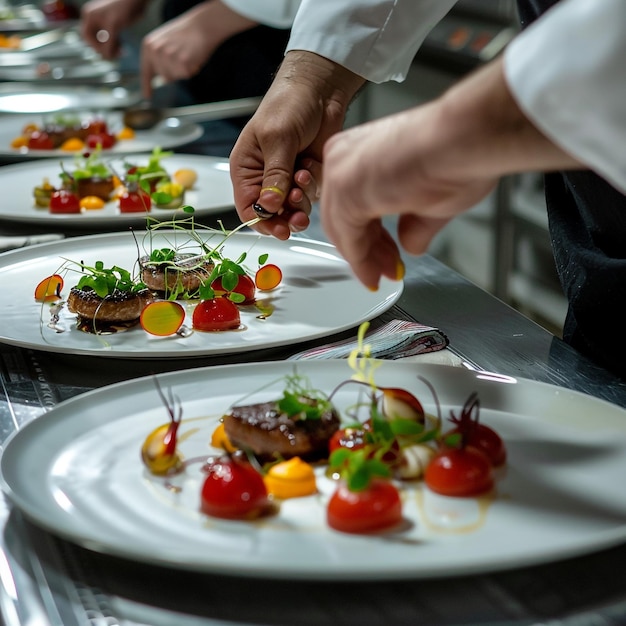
{"x": 145, "y": 116}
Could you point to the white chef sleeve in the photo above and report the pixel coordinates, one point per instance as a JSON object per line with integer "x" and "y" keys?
{"x": 376, "y": 39}
{"x": 567, "y": 72}
{"x": 276, "y": 13}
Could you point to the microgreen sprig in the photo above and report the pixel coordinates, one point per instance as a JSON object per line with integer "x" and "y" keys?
{"x": 357, "y": 467}
{"x": 301, "y": 400}
{"x": 105, "y": 281}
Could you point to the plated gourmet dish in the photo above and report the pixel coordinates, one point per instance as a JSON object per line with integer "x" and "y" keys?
{"x": 359, "y": 464}
{"x": 93, "y": 182}
{"x": 167, "y": 284}
{"x": 70, "y": 133}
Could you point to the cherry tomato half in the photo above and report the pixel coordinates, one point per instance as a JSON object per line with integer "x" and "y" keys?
{"x": 233, "y": 489}
{"x": 351, "y": 438}
{"x": 459, "y": 472}
{"x": 105, "y": 140}
{"x": 487, "y": 441}
{"x": 245, "y": 287}
{"x": 135, "y": 201}
{"x": 216, "y": 314}
{"x": 64, "y": 201}
{"x": 40, "y": 140}
{"x": 378, "y": 507}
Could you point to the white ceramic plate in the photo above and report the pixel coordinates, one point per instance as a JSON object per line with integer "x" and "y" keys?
{"x": 144, "y": 141}
{"x": 213, "y": 192}
{"x": 318, "y": 296}
{"x": 77, "y": 472}
{"x": 33, "y": 99}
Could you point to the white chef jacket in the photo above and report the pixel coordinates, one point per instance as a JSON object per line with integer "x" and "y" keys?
{"x": 276, "y": 13}
{"x": 567, "y": 71}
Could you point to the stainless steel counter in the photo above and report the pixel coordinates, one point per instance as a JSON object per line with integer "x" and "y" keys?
{"x": 46, "y": 580}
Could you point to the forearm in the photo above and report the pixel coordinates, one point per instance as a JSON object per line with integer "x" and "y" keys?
{"x": 319, "y": 77}
{"x": 482, "y": 132}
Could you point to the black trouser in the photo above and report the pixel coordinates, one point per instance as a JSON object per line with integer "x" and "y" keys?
{"x": 241, "y": 67}
{"x": 587, "y": 219}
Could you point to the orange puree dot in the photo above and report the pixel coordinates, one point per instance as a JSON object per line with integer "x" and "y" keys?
{"x": 73, "y": 144}
{"x": 126, "y": 133}
{"x": 291, "y": 479}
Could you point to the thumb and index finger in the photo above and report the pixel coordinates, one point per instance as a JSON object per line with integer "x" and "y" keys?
{"x": 263, "y": 183}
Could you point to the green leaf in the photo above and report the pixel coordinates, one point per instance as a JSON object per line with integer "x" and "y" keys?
{"x": 263, "y": 259}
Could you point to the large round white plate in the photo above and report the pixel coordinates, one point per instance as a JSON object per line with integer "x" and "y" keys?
{"x": 213, "y": 192}
{"x": 77, "y": 472}
{"x": 144, "y": 141}
{"x": 318, "y": 296}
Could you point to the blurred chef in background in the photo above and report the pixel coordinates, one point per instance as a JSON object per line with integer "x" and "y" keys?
{"x": 216, "y": 49}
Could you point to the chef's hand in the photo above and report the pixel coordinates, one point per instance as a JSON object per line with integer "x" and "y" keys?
{"x": 276, "y": 160}
{"x": 101, "y": 22}
{"x": 425, "y": 165}
{"x": 179, "y": 48}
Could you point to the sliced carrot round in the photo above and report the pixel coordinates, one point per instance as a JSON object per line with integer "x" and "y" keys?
{"x": 162, "y": 318}
{"x": 268, "y": 277}
{"x": 49, "y": 289}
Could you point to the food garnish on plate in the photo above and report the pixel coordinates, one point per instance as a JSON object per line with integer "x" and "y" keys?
{"x": 69, "y": 133}
{"x": 92, "y": 182}
{"x": 361, "y": 478}
{"x": 208, "y": 284}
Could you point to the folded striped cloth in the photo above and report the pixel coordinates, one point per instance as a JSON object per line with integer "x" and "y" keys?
{"x": 397, "y": 339}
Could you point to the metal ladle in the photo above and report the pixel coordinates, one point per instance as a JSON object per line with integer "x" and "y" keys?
{"x": 145, "y": 116}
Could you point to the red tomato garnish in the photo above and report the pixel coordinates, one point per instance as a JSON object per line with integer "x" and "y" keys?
{"x": 351, "y": 438}
{"x": 400, "y": 403}
{"x": 233, "y": 489}
{"x": 135, "y": 201}
{"x": 377, "y": 507}
{"x": 216, "y": 314}
{"x": 268, "y": 277}
{"x": 97, "y": 127}
{"x": 162, "y": 318}
{"x": 459, "y": 472}
{"x": 245, "y": 287}
{"x": 105, "y": 140}
{"x": 40, "y": 140}
{"x": 487, "y": 441}
{"x": 474, "y": 433}
{"x": 49, "y": 289}
{"x": 64, "y": 201}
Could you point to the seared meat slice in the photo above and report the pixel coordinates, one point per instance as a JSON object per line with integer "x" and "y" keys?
{"x": 271, "y": 434}
{"x": 121, "y": 306}
{"x": 184, "y": 274}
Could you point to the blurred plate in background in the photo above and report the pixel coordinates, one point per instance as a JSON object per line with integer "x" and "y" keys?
{"x": 28, "y": 98}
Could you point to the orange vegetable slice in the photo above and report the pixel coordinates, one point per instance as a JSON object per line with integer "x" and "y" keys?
{"x": 49, "y": 289}
{"x": 268, "y": 277}
{"x": 162, "y": 318}
{"x": 73, "y": 144}
{"x": 126, "y": 133}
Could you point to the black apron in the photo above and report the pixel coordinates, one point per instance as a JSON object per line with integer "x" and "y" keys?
{"x": 587, "y": 219}
{"x": 242, "y": 67}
